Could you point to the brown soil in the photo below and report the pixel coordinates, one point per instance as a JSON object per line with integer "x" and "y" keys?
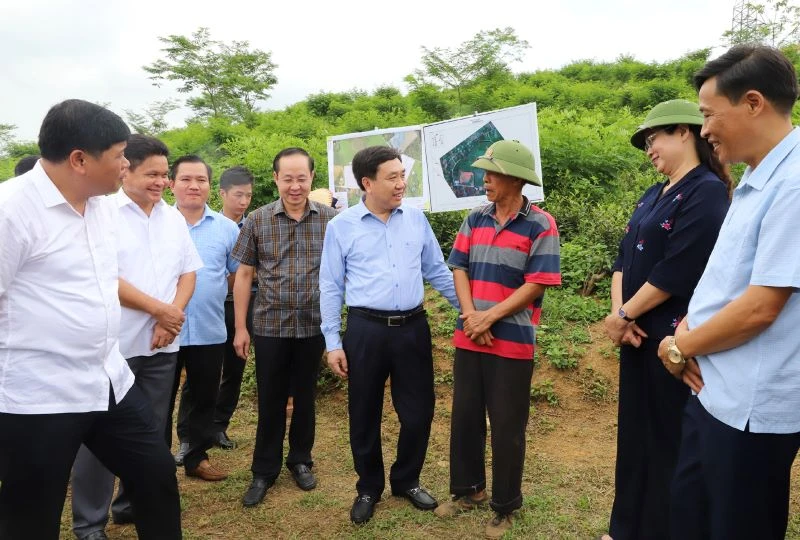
{"x": 568, "y": 479}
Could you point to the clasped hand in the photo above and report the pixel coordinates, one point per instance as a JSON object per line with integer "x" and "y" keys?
{"x": 477, "y": 326}
{"x": 622, "y": 332}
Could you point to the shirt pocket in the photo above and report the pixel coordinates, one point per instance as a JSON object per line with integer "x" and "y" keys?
{"x": 412, "y": 254}
{"x": 511, "y": 277}
{"x": 739, "y": 240}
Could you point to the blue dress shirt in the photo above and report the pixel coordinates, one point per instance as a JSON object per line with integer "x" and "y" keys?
{"x": 758, "y": 381}
{"x": 214, "y": 237}
{"x": 379, "y": 265}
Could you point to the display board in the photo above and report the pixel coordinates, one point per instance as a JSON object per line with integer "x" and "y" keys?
{"x": 406, "y": 140}
{"x": 438, "y": 158}
{"x": 453, "y": 145}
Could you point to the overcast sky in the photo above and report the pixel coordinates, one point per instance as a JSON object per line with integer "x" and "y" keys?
{"x": 52, "y": 50}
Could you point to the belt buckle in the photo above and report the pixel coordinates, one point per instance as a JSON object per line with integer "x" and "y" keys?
{"x": 395, "y": 320}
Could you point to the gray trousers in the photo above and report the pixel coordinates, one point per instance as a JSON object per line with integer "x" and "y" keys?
{"x": 92, "y": 483}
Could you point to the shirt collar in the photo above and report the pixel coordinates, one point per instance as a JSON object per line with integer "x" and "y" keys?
{"x": 124, "y": 200}
{"x": 278, "y": 208}
{"x": 757, "y": 178}
{"x": 51, "y": 196}
{"x": 362, "y": 209}
{"x": 489, "y": 209}
{"x": 207, "y": 213}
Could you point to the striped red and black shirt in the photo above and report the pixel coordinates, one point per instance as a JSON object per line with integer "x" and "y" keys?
{"x": 499, "y": 259}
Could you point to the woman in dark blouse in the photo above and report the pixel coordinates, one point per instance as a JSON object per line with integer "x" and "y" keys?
{"x": 661, "y": 257}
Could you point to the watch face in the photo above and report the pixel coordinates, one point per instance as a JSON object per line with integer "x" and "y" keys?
{"x": 674, "y": 356}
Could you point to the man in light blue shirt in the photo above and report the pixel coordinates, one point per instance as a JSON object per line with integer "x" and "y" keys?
{"x": 741, "y": 432}
{"x": 378, "y": 252}
{"x": 203, "y": 334}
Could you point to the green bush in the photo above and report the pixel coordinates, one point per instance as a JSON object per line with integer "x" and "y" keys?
{"x": 543, "y": 391}
{"x": 445, "y": 226}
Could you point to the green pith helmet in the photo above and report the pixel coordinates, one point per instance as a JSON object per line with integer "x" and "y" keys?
{"x": 511, "y": 158}
{"x": 668, "y": 113}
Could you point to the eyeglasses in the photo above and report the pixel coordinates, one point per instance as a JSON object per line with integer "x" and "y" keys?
{"x": 650, "y": 139}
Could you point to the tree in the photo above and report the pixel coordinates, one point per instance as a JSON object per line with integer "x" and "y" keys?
{"x": 6, "y": 137}
{"x": 153, "y": 120}
{"x": 231, "y": 79}
{"x": 486, "y": 54}
{"x": 775, "y": 22}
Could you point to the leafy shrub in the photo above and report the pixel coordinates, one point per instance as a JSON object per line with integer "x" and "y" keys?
{"x": 583, "y": 263}
{"x": 543, "y": 391}
{"x": 445, "y": 226}
{"x": 562, "y": 306}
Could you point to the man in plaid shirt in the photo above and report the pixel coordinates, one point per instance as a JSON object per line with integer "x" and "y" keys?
{"x": 282, "y": 243}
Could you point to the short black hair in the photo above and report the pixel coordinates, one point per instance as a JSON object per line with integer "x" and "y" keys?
{"x": 76, "y": 124}
{"x": 367, "y": 161}
{"x": 141, "y": 147}
{"x": 292, "y": 150}
{"x": 235, "y": 176}
{"x": 753, "y": 67}
{"x": 25, "y": 164}
{"x": 190, "y": 158}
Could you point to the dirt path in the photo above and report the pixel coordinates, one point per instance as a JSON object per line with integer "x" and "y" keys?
{"x": 568, "y": 483}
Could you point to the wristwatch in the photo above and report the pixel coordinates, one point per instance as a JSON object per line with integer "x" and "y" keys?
{"x": 674, "y": 353}
{"x": 624, "y": 315}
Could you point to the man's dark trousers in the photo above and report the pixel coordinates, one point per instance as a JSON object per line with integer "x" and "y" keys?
{"x": 93, "y": 484}
{"x": 203, "y": 364}
{"x": 279, "y": 361}
{"x": 486, "y": 383}
{"x": 730, "y": 484}
{"x": 37, "y": 451}
{"x": 230, "y": 385}
{"x": 374, "y": 352}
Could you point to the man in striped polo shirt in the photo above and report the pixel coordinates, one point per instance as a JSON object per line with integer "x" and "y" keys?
{"x": 505, "y": 255}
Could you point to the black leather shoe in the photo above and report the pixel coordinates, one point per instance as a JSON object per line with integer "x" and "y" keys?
{"x": 363, "y": 508}
{"x": 255, "y": 493}
{"x": 303, "y": 477}
{"x": 95, "y": 535}
{"x": 419, "y": 497}
{"x": 222, "y": 441}
{"x": 182, "y": 449}
{"x": 122, "y": 517}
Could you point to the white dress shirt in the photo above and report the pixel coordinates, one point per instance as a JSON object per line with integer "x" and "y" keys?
{"x": 153, "y": 251}
{"x": 59, "y": 304}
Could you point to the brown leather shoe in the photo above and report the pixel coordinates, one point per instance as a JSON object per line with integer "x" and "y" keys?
{"x": 206, "y": 471}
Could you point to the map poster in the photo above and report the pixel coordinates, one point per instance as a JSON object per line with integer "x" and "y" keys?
{"x": 453, "y": 145}
{"x": 406, "y": 140}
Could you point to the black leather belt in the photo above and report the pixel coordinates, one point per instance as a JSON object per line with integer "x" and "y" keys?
{"x": 389, "y": 318}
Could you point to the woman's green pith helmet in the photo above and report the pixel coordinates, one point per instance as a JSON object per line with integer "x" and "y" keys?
{"x": 667, "y": 113}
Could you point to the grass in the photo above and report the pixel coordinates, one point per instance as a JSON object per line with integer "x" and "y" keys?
{"x": 567, "y": 483}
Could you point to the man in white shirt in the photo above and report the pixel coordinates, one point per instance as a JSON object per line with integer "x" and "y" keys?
{"x": 157, "y": 263}
{"x": 63, "y": 381}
